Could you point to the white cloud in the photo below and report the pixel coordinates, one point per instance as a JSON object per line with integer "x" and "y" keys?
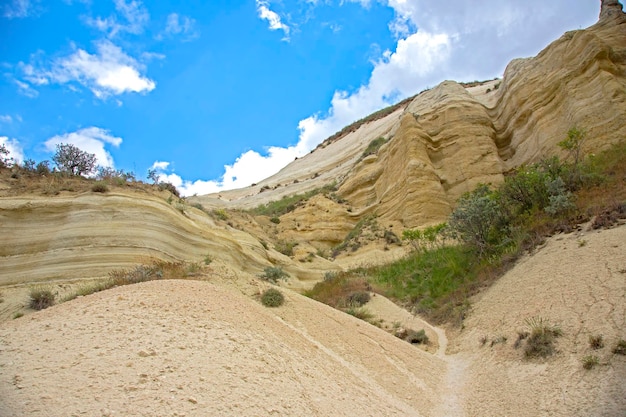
{"x": 274, "y": 20}
{"x": 160, "y": 165}
{"x": 14, "y": 148}
{"x": 90, "y": 139}
{"x": 180, "y": 25}
{"x": 134, "y": 18}
{"x": 6, "y": 118}
{"x": 25, "y": 89}
{"x": 18, "y": 9}
{"x": 108, "y": 72}
{"x": 249, "y": 168}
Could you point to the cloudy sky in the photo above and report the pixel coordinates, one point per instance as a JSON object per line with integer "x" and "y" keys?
{"x": 223, "y": 93}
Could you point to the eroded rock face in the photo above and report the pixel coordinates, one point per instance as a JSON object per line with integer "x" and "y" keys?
{"x": 610, "y": 9}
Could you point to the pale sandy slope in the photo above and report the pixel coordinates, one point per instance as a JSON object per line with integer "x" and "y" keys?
{"x": 193, "y": 348}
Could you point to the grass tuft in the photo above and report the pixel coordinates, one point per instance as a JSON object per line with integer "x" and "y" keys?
{"x": 590, "y": 362}
{"x": 41, "y": 298}
{"x": 620, "y": 347}
{"x": 540, "y": 343}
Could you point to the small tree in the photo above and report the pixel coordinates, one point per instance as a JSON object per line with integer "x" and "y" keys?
{"x": 476, "y": 219}
{"x": 573, "y": 143}
{"x": 69, "y": 158}
{"x": 5, "y": 160}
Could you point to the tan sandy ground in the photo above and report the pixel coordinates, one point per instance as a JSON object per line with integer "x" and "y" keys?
{"x": 172, "y": 348}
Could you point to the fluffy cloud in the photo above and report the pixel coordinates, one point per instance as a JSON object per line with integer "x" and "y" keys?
{"x": 92, "y": 140}
{"x": 14, "y": 148}
{"x": 108, "y": 72}
{"x": 249, "y": 168}
{"x": 274, "y": 20}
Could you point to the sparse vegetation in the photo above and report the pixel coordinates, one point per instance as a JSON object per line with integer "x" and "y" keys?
{"x": 285, "y": 247}
{"x": 416, "y": 337}
{"x": 272, "y": 298}
{"x": 596, "y": 342}
{"x": 141, "y": 273}
{"x": 590, "y": 362}
{"x": 99, "y": 187}
{"x": 285, "y": 205}
{"x": 273, "y": 274}
{"x": 360, "y": 313}
{"x": 373, "y": 147}
{"x": 40, "y": 298}
{"x": 220, "y": 214}
{"x": 338, "y": 289}
{"x": 620, "y": 347}
{"x": 358, "y": 298}
{"x": 17, "y": 315}
{"x": 353, "y": 238}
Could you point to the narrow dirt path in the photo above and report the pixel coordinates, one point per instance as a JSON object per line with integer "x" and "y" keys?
{"x": 391, "y": 316}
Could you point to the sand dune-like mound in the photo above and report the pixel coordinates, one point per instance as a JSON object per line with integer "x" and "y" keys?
{"x": 197, "y": 349}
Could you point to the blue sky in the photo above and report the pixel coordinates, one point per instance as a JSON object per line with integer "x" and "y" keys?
{"x": 220, "y": 94}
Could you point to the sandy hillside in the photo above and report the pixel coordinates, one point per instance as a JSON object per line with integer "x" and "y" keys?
{"x": 209, "y": 348}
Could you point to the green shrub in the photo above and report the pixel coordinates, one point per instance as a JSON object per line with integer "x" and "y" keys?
{"x": 416, "y": 337}
{"x": 330, "y": 275}
{"x": 275, "y": 220}
{"x": 358, "y": 298}
{"x": 286, "y": 248}
{"x": 477, "y": 220}
{"x": 373, "y": 147}
{"x": 272, "y": 298}
{"x": 166, "y": 186}
{"x": 273, "y": 274}
{"x": 41, "y": 298}
{"x": 99, "y": 187}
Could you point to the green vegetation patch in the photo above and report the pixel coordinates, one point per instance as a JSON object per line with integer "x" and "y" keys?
{"x": 373, "y": 147}
{"x": 272, "y": 298}
{"x": 288, "y": 204}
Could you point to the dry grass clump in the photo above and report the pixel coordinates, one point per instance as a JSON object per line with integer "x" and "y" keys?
{"x": 99, "y": 187}
{"x": 590, "y": 362}
{"x": 141, "y": 273}
{"x": 620, "y": 347}
{"x": 596, "y": 342}
{"x": 41, "y": 298}
{"x": 341, "y": 290}
{"x": 540, "y": 343}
